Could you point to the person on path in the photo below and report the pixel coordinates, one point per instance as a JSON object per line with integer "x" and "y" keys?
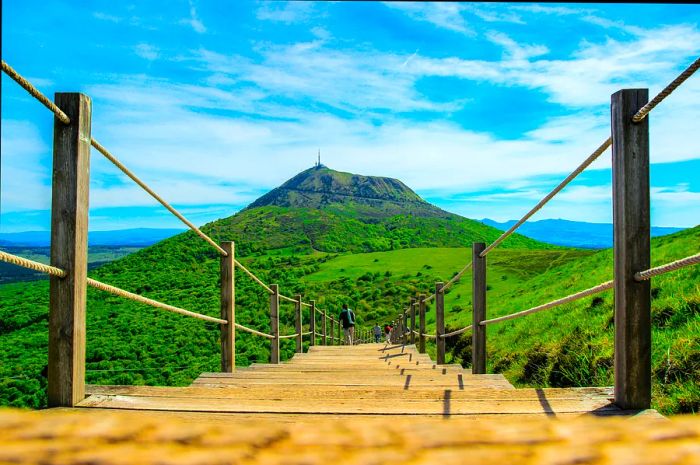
{"x": 377, "y": 333}
{"x": 347, "y": 319}
{"x": 387, "y": 331}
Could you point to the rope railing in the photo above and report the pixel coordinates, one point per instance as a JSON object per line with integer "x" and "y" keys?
{"x": 253, "y": 277}
{"x": 153, "y": 303}
{"x": 153, "y": 194}
{"x": 31, "y": 264}
{"x": 34, "y": 92}
{"x": 586, "y": 163}
{"x": 564, "y": 300}
{"x": 646, "y": 109}
{"x": 651, "y": 272}
{"x": 288, "y": 299}
{"x": 253, "y": 331}
{"x": 455, "y": 333}
{"x": 289, "y": 336}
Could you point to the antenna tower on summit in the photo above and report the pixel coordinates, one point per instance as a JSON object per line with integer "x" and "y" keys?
{"x": 319, "y": 158}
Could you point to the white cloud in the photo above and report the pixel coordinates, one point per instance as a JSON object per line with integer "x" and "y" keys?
{"x": 443, "y": 15}
{"x": 147, "y": 51}
{"x": 285, "y": 12}
{"x": 193, "y": 21}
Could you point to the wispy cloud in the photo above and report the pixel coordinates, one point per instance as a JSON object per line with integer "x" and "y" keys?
{"x": 442, "y": 15}
{"x": 285, "y": 12}
{"x": 193, "y": 20}
{"x": 147, "y": 51}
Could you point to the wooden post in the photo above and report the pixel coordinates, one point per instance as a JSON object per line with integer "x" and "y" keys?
{"x": 478, "y": 309}
{"x": 413, "y": 320}
{"x": 275, "y": 324}
{"x": 324, "y": 322}
{"x": 228, "y": 309}
{"x": 339, "y": 339}
{"x": 421, "y": 324}
{"x": 401, "y": 330}
{"x": 69, "y": 230}
{"x": 630, "y": 168}
{"x": 440, "y": 322}
{"x": 312, "y": 323}
{"x": 332, "y": 338}
{"x": 297, "y": 323}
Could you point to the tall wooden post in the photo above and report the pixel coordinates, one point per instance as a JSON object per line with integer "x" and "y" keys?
{"x": 402, "y": 333}
{"x": 339, "y": 337}
{"x": 332, "y": 338}
{"x": 440, "y": 323}
{"x": 478, "y": 308}
{"x": 324, "y": 323}
{"x": 312, "y": 323}
{"x": 275, "y": 324}
{"x": 421, "y": 324}
{"x": 630, "y": 163}
{"x": 228, "y": 309}
{"x": 69, "y": 229}
{"x": 413, "y": 320}
{"x": 297, "y": 323}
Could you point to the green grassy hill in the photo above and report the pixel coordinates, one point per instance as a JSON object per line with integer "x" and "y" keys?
{"x": 338, "y": 252}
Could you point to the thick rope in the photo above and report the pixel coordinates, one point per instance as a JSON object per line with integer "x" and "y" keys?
{"x": 253, "y": 277}
{"x": 307, "y": 333}
{"x": 430, "y": 336}
{"x": 252, "y": 331}
{"x": 565, "y": 300}
{"x": 153, "y": 303}
{"x": 143, "y": 185}
{"x": 644, "y": 111}
{"x": 683, "y": 262}
{"x": 429, "y": 298}
{"x": 35, "y": 93}
{"x": 454, "y": 333}
{"x": 288, "y": 299}
{"x": 31, "y": 264}
{"x": 455, "y": 277}
{"x": 603, "y": 147}
{"x": 289, "y": 336}
{"x": 305, "y": 304}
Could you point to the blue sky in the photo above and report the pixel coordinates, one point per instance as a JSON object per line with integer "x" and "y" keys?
{"x": 480, "y": 108}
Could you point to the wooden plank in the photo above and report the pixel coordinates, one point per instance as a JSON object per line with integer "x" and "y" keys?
{"x": 275, "y": 324}
{"x": 354, "y": 392}
{"x": 440, "y": 322}
{"x": 297, "y": 324}
{"x": 478, "y": 308}
{"x": 69, "y": 229}
{"x": 347, "y": 406}
{"x": 228, "y": 308}
{"x": 630, "y": 149}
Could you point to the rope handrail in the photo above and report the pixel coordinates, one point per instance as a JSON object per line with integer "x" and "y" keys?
{"x": 153, "y": 303}
{"x": 455, "y": 277}
{"x": 680, "y": 79}
{"x": 596, "y": 153}
{"x": 31, "y": 264}
{"x": 152, "y": 193}
{"x": 289, "y": 336}
{"x": 253, "y": 331}
{"x": 651, "y": 272}
{"x": 454, "y": 333}
{"x": 306, "y": 333}
{"x": 429, "y": 336}
{"x": 564, "y": 300}
{"x": 288, "y": 299}
{"x": 253, "y": 277}
{"x": 34, "y": 92}
{"x": 305, "y": 304}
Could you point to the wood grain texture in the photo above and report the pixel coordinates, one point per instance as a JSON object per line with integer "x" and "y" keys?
{"x": 631, "y": 234}
{"x": 478, "y": 308}
{"x": 69, "y": 229}
{"x": 103, "y": 437}
{"x": 228, "y": 308}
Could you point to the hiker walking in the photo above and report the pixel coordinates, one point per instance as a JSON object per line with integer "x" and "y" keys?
{"x": 347, "y": 318}
{"x": 387, "y": 331}
{"x": 377, "y": 331}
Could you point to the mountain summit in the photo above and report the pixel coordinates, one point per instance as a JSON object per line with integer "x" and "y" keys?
{"x": 324, "y": 210}
{"x": 323, "y": 188}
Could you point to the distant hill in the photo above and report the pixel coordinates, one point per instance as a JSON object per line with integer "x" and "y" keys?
{"x": 137, "y": 237}
{"x": 572, "y": 233}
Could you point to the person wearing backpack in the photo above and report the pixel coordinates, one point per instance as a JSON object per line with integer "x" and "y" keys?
{"x": 347, "y": 319}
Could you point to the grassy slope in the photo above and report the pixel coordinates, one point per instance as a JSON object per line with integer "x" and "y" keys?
{"x": 571, "y": 345}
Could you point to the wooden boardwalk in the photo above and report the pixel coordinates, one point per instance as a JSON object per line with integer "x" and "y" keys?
{"x": 367, "y": 380}
{"x": 366, "y": 404}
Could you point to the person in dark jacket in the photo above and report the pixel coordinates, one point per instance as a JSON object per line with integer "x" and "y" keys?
{"x": 347, "y": 319}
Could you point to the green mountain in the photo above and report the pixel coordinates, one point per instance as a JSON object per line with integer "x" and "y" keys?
{"x": 351, "y": 247}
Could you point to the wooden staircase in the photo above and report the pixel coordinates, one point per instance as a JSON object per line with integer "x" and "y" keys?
{"x": 364, "y": 380}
